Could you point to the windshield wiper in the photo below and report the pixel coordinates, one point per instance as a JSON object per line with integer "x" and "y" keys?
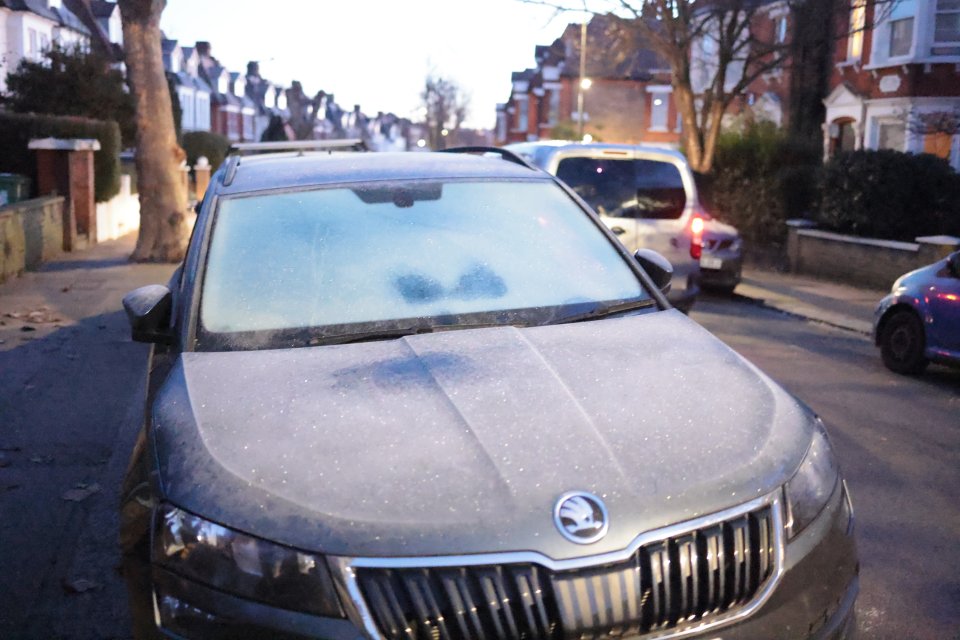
{"x": 399, "y": 332}
{"x": 606, "y": 310}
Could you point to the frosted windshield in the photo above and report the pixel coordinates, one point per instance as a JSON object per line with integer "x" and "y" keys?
{"x": 403, "y": 250}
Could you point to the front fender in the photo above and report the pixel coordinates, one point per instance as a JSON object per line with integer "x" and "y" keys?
{"x": 894, "y": 302}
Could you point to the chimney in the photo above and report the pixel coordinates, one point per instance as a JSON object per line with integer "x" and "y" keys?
{"x": 203, "y": 49}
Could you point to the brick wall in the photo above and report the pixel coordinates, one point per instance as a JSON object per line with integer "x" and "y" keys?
{"x": 861, "y": 261}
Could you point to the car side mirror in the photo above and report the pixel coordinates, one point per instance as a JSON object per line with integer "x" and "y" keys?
{"x": 657, "y": 267}
{"x": 148, "y": 310}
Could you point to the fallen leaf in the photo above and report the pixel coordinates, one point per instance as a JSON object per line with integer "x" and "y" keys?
{"x": 65, "y": 289}
{"x": 13, "y": 314}
{"x": 81, "y": 585}
{"x": 81, "y": 492}
{"x": 26, "y": 328}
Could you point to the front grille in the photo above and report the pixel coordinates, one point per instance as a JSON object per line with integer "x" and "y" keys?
{"x": 692, "y": 577}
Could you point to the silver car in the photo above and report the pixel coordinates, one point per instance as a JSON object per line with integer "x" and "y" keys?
{"x": 645, "y": 195}
{"x": 431, "y": 397}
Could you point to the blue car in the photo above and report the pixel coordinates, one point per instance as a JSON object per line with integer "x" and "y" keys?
{"x": 919, "y": 322}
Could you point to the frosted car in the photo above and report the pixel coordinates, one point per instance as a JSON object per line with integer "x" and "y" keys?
{"x": 919, "y": 321}
{"x": 431, "y": 397}
{"x": 645, "y": 195}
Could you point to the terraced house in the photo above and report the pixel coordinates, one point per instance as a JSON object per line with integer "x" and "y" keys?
{"x": 897, "y": 85}
{"x": 628, "y": 99}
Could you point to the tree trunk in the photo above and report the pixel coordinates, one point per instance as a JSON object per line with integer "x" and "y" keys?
{"x": 163, "y": 196}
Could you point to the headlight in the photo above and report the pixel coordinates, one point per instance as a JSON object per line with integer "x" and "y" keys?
{"x": 811, "y": 487}
{"x": 243, "y": 565}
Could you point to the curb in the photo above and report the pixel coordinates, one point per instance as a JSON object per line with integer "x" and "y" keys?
{"x": 809, "y": 313}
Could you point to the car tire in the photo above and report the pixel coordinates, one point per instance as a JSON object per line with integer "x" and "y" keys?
{"x": 902, "y": 343}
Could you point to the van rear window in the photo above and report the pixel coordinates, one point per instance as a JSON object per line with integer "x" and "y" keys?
{"x": 626, "y": 188}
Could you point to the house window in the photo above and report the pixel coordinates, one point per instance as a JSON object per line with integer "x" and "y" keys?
{"x": 938, "y": 144}
{"x": 946, "y": 30}
{"x": 659, "y": 111}
{"x": 901, "y": 37}
{"x": 891, "y": 135}
{"x": 522, "y": 120}
{"x": 858, "y": 18}
{"x": 553, "y": 116}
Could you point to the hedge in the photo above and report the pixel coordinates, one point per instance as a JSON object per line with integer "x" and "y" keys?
{"x": 888, "y": 194}
{"x": 205, "y": 143}
{"x": 762, "y": 177}
{"x": 17, "y": 129}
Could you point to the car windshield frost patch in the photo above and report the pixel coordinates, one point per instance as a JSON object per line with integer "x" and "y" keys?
{"x": 343, "y": 256}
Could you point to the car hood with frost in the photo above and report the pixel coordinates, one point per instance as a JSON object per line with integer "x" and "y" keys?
{"x": 462, "y": 441}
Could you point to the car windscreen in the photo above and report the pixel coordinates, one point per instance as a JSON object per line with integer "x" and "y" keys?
{"x": 286, "y": 267}
{"x": 627, "y": 188}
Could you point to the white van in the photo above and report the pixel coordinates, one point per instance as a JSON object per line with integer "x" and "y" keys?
{"x": 645, "y": 195}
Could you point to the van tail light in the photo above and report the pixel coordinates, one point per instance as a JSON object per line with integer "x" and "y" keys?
{"x": 696, "y": 237}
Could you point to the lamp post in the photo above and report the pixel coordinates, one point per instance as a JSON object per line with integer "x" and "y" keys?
{"x": 584, "y": 83}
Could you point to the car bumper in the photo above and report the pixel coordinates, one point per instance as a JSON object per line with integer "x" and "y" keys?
{"x": 721, "y": 270}
{"x": 814, "y": 599}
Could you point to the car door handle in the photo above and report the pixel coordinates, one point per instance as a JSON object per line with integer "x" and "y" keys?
{"x": 618, "y": 230}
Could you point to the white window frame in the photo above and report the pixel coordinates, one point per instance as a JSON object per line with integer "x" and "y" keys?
{"x": 934, "y": 43}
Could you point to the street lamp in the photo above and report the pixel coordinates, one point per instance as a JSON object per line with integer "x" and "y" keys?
{"x": 585, "y": 82}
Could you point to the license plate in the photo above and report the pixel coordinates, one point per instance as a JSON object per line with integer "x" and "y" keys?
{"x": 710, "y": 262}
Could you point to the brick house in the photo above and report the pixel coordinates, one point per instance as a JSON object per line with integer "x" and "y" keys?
{"x": 897, "y": 85}
{"x": 629, "y": 99}
{"x": 226, "y": 108}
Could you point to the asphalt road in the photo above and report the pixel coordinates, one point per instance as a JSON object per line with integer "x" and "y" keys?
{"x": 898, "y": 441}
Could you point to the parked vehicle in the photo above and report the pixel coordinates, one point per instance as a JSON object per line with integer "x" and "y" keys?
{"x": 431, "y": 397}
{"x": 721, "y": 263}
{"x": 919, "y": 321}
{"x": 645, "y": 195}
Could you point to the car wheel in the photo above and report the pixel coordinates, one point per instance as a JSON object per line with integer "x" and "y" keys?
{"x": 902, "y": 343}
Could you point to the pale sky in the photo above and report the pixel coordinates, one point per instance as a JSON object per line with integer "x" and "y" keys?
{"x": 375, "y": 53}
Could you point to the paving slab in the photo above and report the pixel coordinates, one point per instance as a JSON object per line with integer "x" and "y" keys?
{"x": 835, "y": 304}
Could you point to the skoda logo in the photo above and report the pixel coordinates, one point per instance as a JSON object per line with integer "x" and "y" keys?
{"x": 581, "y": 517}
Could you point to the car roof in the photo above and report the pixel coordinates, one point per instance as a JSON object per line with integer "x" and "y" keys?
{"x": 586, "y": 147}
{"x": 293, "y": 170}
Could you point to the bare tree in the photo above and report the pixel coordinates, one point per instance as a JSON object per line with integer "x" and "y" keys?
{"x": 446, "y": 109}
{"x": 731, "y": 54}
{"x": 163, "y": 196}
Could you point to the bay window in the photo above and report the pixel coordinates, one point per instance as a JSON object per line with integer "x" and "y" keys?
{"x": 946, "y": 28}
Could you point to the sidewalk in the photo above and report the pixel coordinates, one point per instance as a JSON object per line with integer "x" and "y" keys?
{"x": 71, "y": 388}
{"x": 834, "y": 304}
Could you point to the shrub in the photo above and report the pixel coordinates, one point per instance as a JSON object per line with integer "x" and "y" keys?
{"x": 889, "y": 194}
{"x": 205, "y": 143}
{"x": 761, "y": 178}
{"x": 17, "y": 129}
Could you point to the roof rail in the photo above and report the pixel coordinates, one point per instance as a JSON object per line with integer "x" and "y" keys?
{"x": 348, "y": 144}
{"x": 506, "y": 154}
